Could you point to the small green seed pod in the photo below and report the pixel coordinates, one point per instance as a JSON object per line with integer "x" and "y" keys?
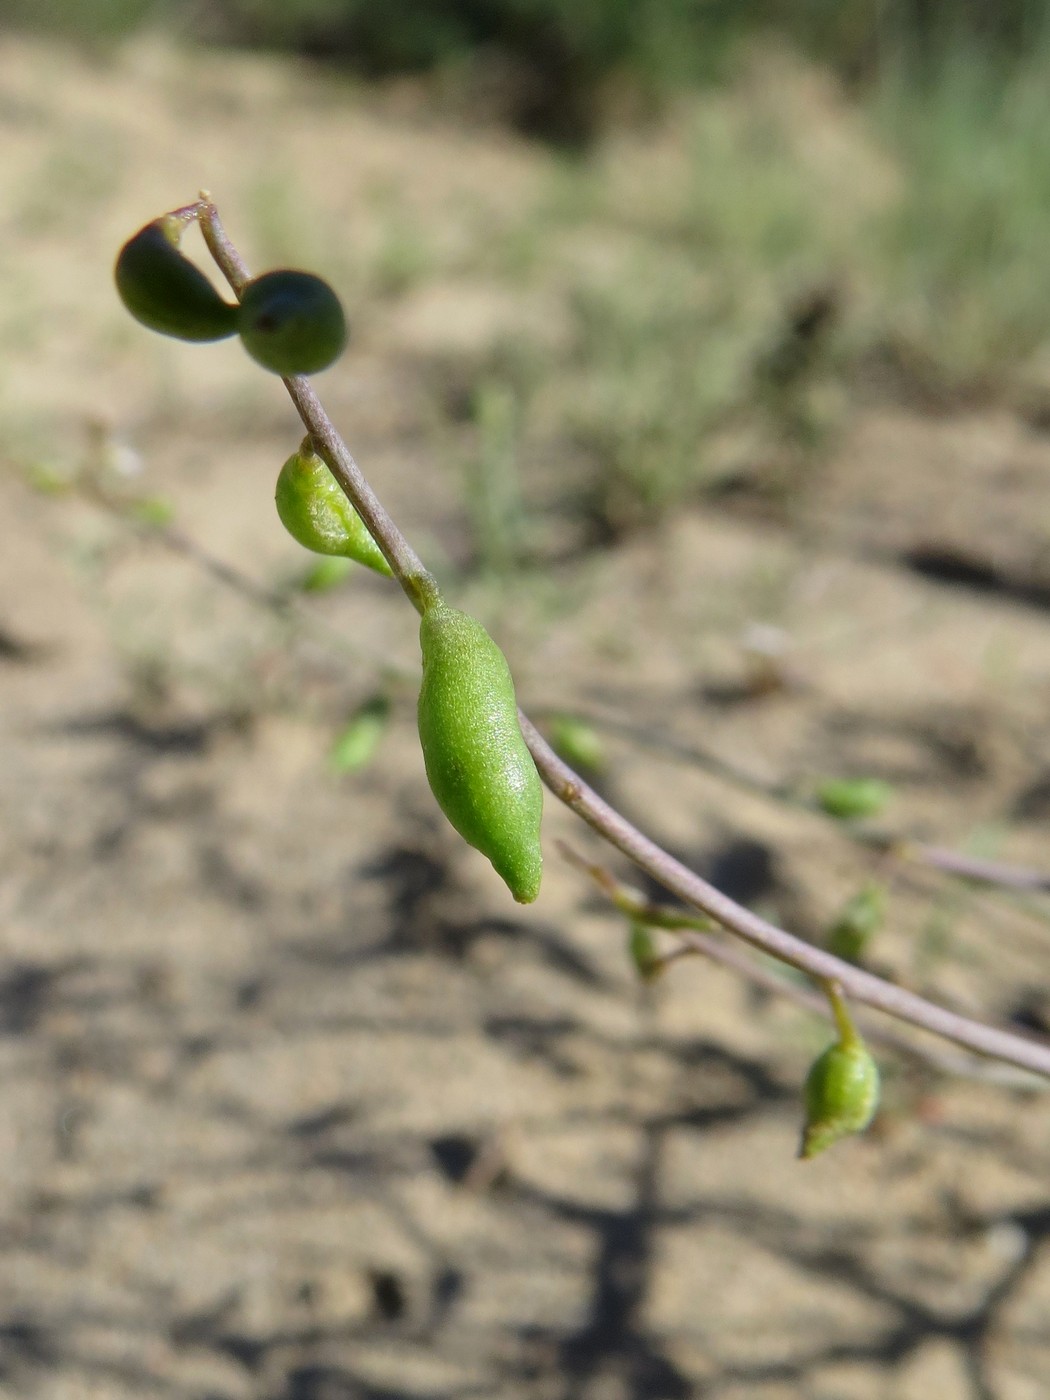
{"x": 291, "y": 322}
{"x": 477, "y": 763}
{"x": 314, "y": 510}
{"x": 852, "y": 799}
{"x": 841, "y": 1095}
{"x": 165, "y": 291}
{"x": 641, "y": 945}
{"x": 859, "y": 920}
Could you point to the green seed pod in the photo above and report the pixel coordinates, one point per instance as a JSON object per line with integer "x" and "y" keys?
{"x": 314, "y": 510}
{"x": 357, "y": 742}
{"x": 165, "y": 291}
{"x": 576, "y": 742}
{"x": 859, "y": 920}
{"x": 641, "y": 945}
{"x": 477, "y": 763}
{"x": 841, "y": 1095}
{"x": 325, "y": 574}
{"x": 850, "y": 799}
{"x": 291, "y": 322}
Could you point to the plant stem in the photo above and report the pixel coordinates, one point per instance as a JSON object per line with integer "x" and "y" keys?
{"x": 566, "y": 785}
{"x": 760, "y": 974}
{"x": 408, "y": 568}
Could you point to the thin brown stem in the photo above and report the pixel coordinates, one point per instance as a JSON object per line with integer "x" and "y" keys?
{"x": 570, "y": 788}
{"x": 762, "y": 975}
{"x": 408, "y": 568}
{"x": 974, "y": 869}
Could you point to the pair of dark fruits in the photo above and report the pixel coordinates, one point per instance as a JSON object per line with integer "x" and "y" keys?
{"x": 290, "y": 322}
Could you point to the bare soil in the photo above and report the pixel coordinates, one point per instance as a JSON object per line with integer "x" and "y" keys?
{"x": 294, "y": 1102}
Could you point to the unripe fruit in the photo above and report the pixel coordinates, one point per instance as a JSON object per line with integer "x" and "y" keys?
{"x": 841, "y": 1095}
{"x": 355, "y": 746}
{"x": 477, "y": 763}
{"x": 642, "y": 947}
{"x": 291, "y": 322}
{"x": 578, "y": 743}
{"x": 860, "y": 919}
{"x": 165, "y": 291}
{"x": 851, "y": 799}
{"x": 315, "y": 511}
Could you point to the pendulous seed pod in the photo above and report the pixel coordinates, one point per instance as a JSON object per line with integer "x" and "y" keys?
{"x": 314, "y": 510}
{"x": 291, "y": 322}
{"x": 477, "y": 763}
{"x": 641, "y": 945}
{"x": 165, "y": 291}
{"x": 852, "y": 799}
{"x": 841, "y": 1095}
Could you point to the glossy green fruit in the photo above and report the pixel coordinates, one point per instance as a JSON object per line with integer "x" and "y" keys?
{"x": 291, "y": 322}
{"x": 165, "y": 291}
{"x": 479, "y": 768}
{"x": 841, "y": 1095}
{"x": 315, "y": 511}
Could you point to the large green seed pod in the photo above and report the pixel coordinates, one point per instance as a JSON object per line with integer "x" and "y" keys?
{"x": 165, "y": 291}
{"x": 841, "y": 1095}
{"x": 477, "y": 763}
{"x": 291, "y": 322}
{"x": 314, "y": 510}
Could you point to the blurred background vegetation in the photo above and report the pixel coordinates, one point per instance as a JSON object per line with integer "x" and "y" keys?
{"x": 763, "y": 276}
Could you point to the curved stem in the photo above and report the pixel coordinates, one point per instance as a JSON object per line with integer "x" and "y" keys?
{"x": 408, "y": 568}
{"x": 858, "y": 985}
{"x": 566, "y": 785}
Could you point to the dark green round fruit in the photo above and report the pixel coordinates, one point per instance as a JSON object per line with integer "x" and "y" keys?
{"x": 164, "y": 291}
{"x": 291, "y": 322}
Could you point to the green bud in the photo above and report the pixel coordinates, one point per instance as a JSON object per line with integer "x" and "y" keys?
{"x": 155, "y": 511}
{"x": 577, "y": 743}
{"x": 477, "y": 762}
{"x": 165, "y": 291}
{"x": 291, "y": 322}
{"x": 356, "y": 744}
{"x": 325, "y": 574}
{"x": 315, "y": 511}
{"x": 852, "y": 798}
{"x": 860, "y": 918}
{"x": 841, "y": 1095}
{"x": 641, "y": 945}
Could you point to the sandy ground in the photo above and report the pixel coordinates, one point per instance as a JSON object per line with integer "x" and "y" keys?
{"x": 294, "y": 1102}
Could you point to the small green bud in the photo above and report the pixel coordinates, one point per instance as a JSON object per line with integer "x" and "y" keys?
{"x": 852, "y": 798}
{"x": 325, "y": 574}
{"x": 291, "y": 322}
{"x": 154, "y": 511}
{"x": 165, "y": 291}
{"x": 477, "y": 762}
{"x": 315, "y": 511}
{"x": 577, "y": 743}
{"x": 641, "y": 945}
{"x": 356, "y": 744}
{"x": 842, "y": 1087}
{"x": 859, "y": 920}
